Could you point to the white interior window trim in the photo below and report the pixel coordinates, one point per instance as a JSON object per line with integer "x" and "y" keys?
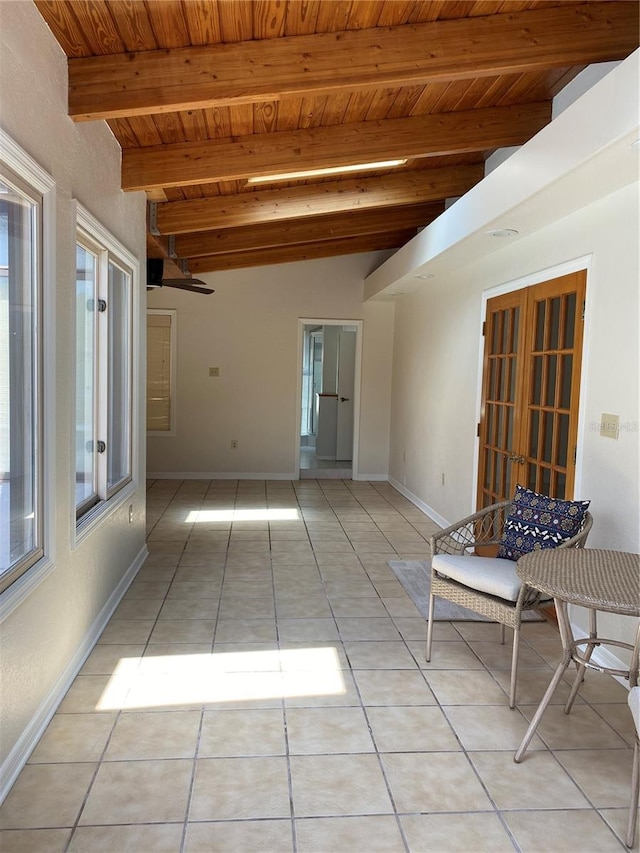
{"x": 113, "y": 485}
{"x": 14, "y": 161}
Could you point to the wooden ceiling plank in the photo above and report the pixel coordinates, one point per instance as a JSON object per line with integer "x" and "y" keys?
{"x": 336, "y": 108}
{"x": 405, "y": 103}
{"x": 194, "y": 123}
{"x": 134, "y": 25}
{"x": 241, "y": 119}
{"x": 265, "y": 117}
{"x": 383, "y": 104}
{"x": 306, "y": 230}
{"x": 165, "y": 81}
{"x": 203, "y": 21}
{"x": 323, "y": 147}
{"x": 169, "y": 25}
{"x": 485, "y": 7}
{"x": 171, "y": 129}
{"x": 123, "y": 130}
{"x": 64, "y": 24}
{"x": 268, "y": 18}
{"x": 192, "y": 192}
{"x": 145, "y": 129}
{"x": 310, "y": 251}
{"x": 431, "y": 10}
{"x": 464, "y": 95}
{"x": 312, "y": 112}
{"x": 236, "y": 21}
{"x": 405, "y": 188}
{"x": 333, "y": 17}
{"x": 396, "y": 13}
{"x": 302, "y": 16}
{"x": 157, "y": 195}
{"x": 98, "y": 26}
{"x": 218, "y": 122}
{"x": 359, "y": 105}
{"x": 365, "y": 15}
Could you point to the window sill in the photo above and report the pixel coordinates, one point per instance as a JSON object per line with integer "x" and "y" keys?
{"x": 98, "y": 514}
{"x": 22, "y": 588}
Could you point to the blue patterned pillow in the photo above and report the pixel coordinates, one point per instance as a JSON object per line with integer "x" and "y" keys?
{"x": 535, "y": 521}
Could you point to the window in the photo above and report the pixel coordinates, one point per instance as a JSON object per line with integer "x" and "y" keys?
{"x": 161, "y": 347}
{"x": 21, "y": 487}
{"x": 103, "y": 428}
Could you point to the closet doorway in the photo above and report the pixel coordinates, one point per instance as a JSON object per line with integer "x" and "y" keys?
{"x": 328, "y": 398}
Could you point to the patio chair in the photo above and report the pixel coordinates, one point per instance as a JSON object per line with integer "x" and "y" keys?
{"x": 634, "y": 704}
{"x": 466, "y": 571}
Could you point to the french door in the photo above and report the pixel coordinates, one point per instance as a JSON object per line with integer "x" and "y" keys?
{"x": 530, "y": 389}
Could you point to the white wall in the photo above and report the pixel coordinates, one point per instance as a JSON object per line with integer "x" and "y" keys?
{"x": 436, "y": 368}
{"x": 249, "y": 329}
{"x": 44, "y": 638}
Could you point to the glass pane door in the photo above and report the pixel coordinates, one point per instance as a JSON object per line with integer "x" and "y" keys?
{"x": 553, "y": 383}
{"x": 498, "y": 424}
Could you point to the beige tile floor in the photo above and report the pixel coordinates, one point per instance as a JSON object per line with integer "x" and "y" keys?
{"x": 262, "y": 687}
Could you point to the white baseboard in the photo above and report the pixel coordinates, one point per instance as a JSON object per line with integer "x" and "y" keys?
{"x": 218, "y": 475}
{"x": 433, "y": 515}
{"x": 26, "y": 743}
{"x": 229, "y": 475}
{"x": 372, "y": 478}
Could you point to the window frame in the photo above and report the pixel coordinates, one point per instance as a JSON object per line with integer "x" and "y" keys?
{"x": 31, "y": 179}
{"x": 93, "y": 235}
{"x": 173, "y": 315}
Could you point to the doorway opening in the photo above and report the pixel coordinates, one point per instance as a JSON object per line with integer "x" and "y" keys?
{"x": 328, "y": 398}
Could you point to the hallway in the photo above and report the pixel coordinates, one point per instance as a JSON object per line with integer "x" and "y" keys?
{"x": 262, "y": 686}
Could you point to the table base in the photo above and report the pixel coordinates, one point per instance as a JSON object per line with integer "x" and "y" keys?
{"x": 570, "y": 653}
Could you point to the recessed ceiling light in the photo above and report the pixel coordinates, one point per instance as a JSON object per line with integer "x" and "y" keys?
{"x": 424, "y": 276}
{"x": 320, "y": 173}
{"x": 502, "y": 232}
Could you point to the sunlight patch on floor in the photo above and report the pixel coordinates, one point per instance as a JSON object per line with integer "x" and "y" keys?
{"x": 175, "y": 680}
{"x": 213, "y": 515}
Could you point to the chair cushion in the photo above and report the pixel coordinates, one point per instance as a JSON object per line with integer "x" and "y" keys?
{"x": 535, "y": 521}
{"x": 492, "y": 575}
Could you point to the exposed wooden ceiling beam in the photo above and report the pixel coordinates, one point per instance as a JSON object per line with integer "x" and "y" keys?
{"x": 139, "y": 83}
{"x": 304, "y": 252}
{"x": 329, "y": 227}
{"x": 251, "y": 208}
{"x": 279, "y": 153}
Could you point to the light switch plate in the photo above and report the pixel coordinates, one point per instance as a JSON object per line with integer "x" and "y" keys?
{"x": 214, "y": 371}
{"x": 610, "y": 426}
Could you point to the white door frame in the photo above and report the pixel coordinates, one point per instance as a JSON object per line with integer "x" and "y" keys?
{"x": 315, "y": 321}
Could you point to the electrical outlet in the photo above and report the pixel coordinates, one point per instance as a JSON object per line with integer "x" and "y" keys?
{"x": 214, "y": 371}
{"x": 443, "y": 478}
{"x": 234, "y": 444}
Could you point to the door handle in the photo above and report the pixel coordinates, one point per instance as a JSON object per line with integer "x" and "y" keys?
{"x": 515, "y": 458}
{"x": 344, "y": 399}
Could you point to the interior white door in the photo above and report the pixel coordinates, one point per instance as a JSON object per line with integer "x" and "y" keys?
{"x": 346, "y": 387}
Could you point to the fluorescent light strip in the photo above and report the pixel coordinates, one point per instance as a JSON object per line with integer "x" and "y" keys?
{"x": 334, "y": 170}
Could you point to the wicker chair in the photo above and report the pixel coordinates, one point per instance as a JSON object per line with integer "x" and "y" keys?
{"x": 491, "y": 586}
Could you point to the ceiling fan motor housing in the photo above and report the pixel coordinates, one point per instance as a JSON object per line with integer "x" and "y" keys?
{"x": 155, "y": 270}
